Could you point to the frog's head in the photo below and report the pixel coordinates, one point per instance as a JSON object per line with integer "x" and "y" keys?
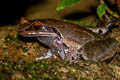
{"x": 49, "y": 36}
{"x": 34, "y": 28}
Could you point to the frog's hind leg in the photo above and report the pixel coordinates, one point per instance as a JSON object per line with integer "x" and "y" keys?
{"x": 110, "y": 59}
{"x": 46, "y": 56}
{"x": 99, "y": 30}
{"x": 107, "y": 28}
{"x": 99, "y": 50}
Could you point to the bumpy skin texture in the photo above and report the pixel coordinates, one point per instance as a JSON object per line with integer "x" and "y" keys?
{"x": 80, "y": 42}
{"x": 99, "y": 49}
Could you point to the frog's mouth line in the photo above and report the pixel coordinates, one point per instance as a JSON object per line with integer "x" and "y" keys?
{"x": 36, "y": 34}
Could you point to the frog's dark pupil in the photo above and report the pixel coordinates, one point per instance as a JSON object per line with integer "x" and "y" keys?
{"x": 36, "y": 27}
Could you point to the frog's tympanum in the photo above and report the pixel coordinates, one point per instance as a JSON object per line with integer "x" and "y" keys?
{"x": 70, "y": 41}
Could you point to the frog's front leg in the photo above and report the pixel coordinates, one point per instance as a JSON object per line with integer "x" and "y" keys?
{"x": 106, "y": 28}
{"x": 52, "y": 53}
{"x": 46, "y": 56}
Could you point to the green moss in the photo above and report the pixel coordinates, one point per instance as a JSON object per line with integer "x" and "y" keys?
{"x": 11, "y": 39}
{"x": 24, "y": 49}
{"x": 84, "y": 79}
{"x": 47, "y": 70}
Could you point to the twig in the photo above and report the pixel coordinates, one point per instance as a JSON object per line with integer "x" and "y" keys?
{"x": 110, "y": 11}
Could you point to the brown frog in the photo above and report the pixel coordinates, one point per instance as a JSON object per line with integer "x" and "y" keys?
{"x": 70, "y": 41}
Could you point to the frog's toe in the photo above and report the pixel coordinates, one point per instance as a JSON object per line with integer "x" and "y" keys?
{"x": 39, "y": 58}
{"x": 62, "y": 53}
{"x": 46, "y": 56}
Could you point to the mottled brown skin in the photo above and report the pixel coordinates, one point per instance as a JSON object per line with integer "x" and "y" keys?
{"x": 79, "y": 41}
{"x": 69, "y": 30}
{"x": 105, "y": 48}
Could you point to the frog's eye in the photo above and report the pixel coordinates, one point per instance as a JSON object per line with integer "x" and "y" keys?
{"x": 36, "y": 27}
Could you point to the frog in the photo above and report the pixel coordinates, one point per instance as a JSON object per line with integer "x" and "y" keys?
{"x": 70, "y": 41}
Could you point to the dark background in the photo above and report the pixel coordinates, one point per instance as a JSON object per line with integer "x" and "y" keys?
{"x": 13, "y": 10}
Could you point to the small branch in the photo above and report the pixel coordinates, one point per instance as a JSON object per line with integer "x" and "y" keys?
{"x": 107, "y": 17}
{"x": 110, "y": 11}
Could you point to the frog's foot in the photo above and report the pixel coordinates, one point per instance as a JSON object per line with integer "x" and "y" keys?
{"x": 62, "y": 53}
{"x": 100, "y": 30}
{"x": 46, "y": 56}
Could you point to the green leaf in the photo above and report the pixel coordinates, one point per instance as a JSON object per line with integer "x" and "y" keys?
{"x": 101, "y": 9}
{"x": 66, "y": 3}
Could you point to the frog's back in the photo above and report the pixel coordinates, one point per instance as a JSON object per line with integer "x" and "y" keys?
{"x": 70, "y": 30}
{"x": 60, "y": 24}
